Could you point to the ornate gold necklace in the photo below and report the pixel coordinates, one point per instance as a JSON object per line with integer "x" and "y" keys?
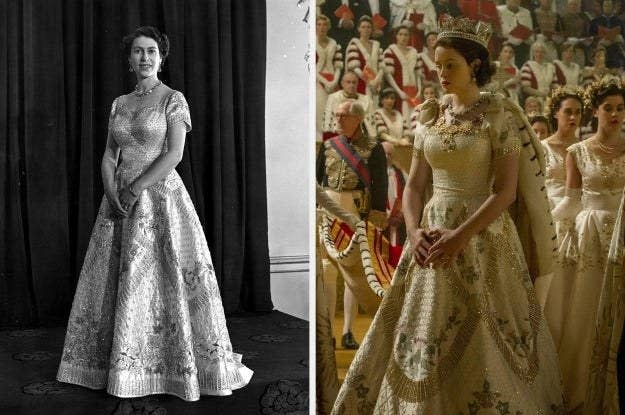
{"x": 449, "y": 131}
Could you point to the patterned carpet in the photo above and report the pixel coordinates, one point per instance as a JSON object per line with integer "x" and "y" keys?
{"x": 273, "y": 345}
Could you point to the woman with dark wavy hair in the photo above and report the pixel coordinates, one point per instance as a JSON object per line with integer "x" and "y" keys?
{"x": 147, "y": 315}
{"x": 585, "y": 329}
{"x": 460, "y": 329}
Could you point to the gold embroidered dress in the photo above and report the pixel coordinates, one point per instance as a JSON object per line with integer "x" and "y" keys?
{"x": 468, "y": 338}
{"x": 147, "y": 315}
{"x": 587, "y": 246}
{"x": 555, "y": 181}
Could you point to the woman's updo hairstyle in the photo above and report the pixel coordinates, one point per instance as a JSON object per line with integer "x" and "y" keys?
{"x": 557, "y": 97}
{"x": 153, "y": 33}
{"x": 598, "y": 91}
{"x": 471, "y": 50}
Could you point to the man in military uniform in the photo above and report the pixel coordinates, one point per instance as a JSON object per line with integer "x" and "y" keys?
{"x": 352, "y": 168}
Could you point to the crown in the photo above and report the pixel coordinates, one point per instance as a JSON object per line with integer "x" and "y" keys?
{"x": 465, "y": 28}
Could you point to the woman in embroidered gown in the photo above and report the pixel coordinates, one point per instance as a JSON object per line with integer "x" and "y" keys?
{"x": 537, "y": 76}
{"x": 400, "y": 61}
{"x": 147, "y": 315}
{"x": 364, "y": 57}
{"x": 329, "y": 62}
{"x": 564, "y": 109}
{"x": 459, "y": 331}
{"x": 595, "y": 178}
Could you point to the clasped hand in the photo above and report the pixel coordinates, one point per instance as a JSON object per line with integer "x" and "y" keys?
{"x": 121, "y": 201}
{"x": 437, "y": 246}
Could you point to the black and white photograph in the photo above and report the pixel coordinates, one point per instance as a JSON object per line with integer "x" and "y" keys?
{"x": 155, "y": 208}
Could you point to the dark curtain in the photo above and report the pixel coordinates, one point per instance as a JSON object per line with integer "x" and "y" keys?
{"x": 61, "y": 66}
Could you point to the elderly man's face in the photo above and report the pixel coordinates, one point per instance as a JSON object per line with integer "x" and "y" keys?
{"x": 346, "y": 123}
{"x": 349, "y": 83}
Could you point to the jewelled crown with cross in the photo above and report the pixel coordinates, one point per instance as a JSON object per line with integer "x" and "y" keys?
{"x": 465, "y": 28}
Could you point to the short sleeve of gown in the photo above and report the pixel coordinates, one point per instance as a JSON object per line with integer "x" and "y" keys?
{"x": 419, "y": 135}
{"x": 113, "y": 111}
{"x": 177, "y": 111}
{"x": 507, "y": 140}
{"x": 576, "y": 151}
{"x": 424, "y": 116}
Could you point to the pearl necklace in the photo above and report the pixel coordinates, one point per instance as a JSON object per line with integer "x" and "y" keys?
{"x": 146, "y": 92}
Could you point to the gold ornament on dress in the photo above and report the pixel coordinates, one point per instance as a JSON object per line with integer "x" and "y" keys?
{"x": 448, "y": 131}
{"x": 465, "y": 28}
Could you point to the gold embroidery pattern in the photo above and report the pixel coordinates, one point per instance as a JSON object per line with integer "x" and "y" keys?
{"x": 448, "y": 132}
{"x": 504, "y": 151}
{"x": 441, "y": 332}
{"x": 418, "y": 391}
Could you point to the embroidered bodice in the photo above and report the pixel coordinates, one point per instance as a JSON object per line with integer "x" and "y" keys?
{"x": 142, "y": 133}
{"x": 460, "y": 149}
{"x": 555, "y": 174}
{"x": 602, "y": 181}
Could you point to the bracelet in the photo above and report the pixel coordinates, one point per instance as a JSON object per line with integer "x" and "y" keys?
{"x": 132, "y": 192}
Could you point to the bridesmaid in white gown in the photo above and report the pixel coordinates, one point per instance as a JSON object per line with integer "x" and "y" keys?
{"x": 595, "y": 178}
{"x": 564, "y": 109}
{"x": 147, "y": 315}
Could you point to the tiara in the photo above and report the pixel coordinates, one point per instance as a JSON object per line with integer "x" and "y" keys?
{"x": 597, "y": 88}
{"x": 553, "y": 101}
{"x": 465, "y": 28}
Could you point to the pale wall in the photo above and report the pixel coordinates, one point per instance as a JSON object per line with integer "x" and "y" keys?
{"x": 287, "y": 154}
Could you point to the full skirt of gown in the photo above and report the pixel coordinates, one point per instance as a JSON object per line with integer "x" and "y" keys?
{"x": 468, "y": 338}
{"x": 147, "y": 315}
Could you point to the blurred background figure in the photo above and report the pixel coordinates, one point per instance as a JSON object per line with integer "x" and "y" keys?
{"x": 364, "y": 56}
{"x": 396, "y": 230}
{"x": 329, "y": 62}
{"x": 540, "y": 125}
{"x": 400, "y": 61}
